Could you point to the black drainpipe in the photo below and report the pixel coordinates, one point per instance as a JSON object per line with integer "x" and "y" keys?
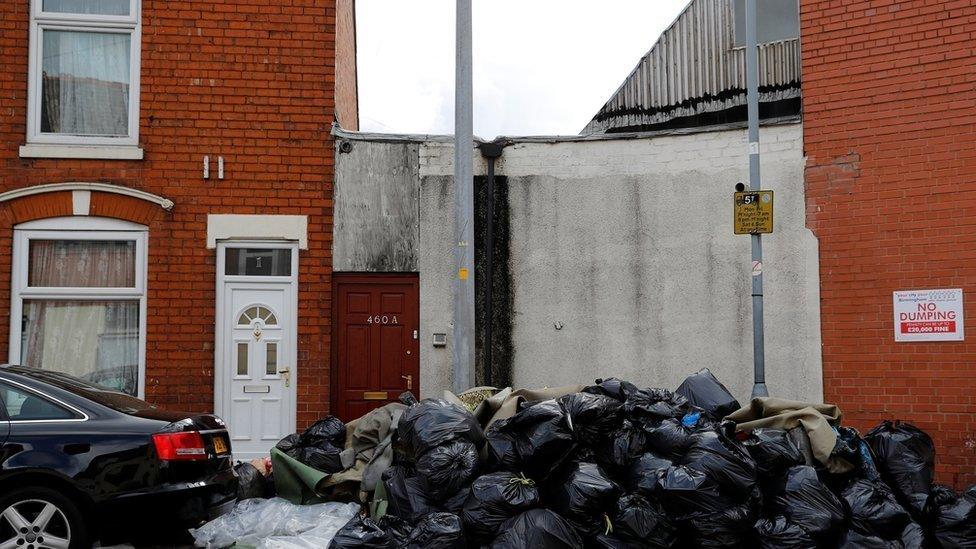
{"x": 491, "y": 151}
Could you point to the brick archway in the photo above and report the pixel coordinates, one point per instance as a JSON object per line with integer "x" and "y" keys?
{"x": 86, "y": 199}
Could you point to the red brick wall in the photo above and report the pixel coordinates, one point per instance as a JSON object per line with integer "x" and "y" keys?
{"x": 889, "y": 100}
{"x": 347, "y": 88}
{"x": 249, "y": 80}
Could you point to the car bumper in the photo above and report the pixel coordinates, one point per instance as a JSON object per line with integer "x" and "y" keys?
{"x": 177, "y": 505}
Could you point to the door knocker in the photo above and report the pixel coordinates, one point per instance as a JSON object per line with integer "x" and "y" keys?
{"x": 257, "y": 333}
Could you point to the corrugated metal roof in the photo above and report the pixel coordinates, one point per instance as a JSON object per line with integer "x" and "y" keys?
{"x": 694, "y": 68}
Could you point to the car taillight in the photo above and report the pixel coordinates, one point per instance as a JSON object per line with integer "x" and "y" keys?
{"x": 179, "y": 446}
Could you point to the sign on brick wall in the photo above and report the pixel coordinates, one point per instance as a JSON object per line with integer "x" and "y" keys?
{"x": 929, "y": 315}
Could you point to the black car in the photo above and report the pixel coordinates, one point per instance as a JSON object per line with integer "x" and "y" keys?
{"x": 79, "y": 461}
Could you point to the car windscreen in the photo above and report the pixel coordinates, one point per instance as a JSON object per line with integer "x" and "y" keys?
{"x": 109, "y": 398}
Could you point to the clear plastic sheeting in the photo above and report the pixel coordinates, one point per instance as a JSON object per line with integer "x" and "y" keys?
{"x": 275, "y": 524}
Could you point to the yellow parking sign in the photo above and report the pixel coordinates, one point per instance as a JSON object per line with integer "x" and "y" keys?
{"x": 752, "y": 212}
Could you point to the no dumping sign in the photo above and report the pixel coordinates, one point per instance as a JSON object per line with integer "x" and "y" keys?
{"x": 929, "y": 315}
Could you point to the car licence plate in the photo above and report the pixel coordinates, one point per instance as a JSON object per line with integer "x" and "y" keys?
{"x": 220, "y": 445}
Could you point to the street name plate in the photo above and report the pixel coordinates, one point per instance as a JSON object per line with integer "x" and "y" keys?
{"x": 752, "y": 212}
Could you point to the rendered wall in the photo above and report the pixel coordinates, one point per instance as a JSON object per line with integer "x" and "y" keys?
{"x": 627, "y": 245}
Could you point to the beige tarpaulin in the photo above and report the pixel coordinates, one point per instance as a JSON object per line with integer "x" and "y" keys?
{"x": 817, "y": 420}
{"x": 504, "y": 404}
{"x": 368, "y": 451}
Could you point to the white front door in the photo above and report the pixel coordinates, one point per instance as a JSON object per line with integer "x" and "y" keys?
{"x": 255, "y": 377}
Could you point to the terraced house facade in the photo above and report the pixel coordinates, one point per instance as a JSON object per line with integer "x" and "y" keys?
{"x": 165, "y": 189}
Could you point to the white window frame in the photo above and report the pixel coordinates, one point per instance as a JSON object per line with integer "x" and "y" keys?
{"x": 40, "y": 21}
{"x": 77, "y": 228}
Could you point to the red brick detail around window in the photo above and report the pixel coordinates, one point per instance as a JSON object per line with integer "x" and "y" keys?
{"x": 119, "y": 206}
{"x": 37, "y": 206}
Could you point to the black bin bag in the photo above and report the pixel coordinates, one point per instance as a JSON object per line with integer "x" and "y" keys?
{"x": 592, "y": 418}
{"x": 537, "y": 529}
{"x": 807, "y": 502}
{"x": 779, "y": 533}
{"x": 642, "y": 522}
{"x": 251, "y": 483}
{"x": 855, "y": 540}
{"x": 314, "y": 450}
{"x": 329, "y": 429}
{"x": 407, "y": 494}
{"x": 432, "y": 422}
{"x": 773, "y": 451}
{"x": 644, "y": 473}
{"x": 494, "y": 499}
{"x": 724, "y": 460}
{"x": 906, "y": 460}
{"x": 289, "y": 443}
{"x": 668, "y": 438}
{"x": 954, "y": 519}
{"x": 913, "y": 537}
{"x": 611, "y": 387}
{"x": 396, "y": 528}
{"x": 362, "y": 533}
{"x": 874, "y": 511}
{"x": 612, "y": 541}
{"x": 730, "y": 527}
{"x": 647, "y": 407}
{"x": 582, "y": 494}
{"x": 704, "y": 391}
{"x": 445, "y": 469}
{"x": 626, "y": 444}
{"x": 586, "y": 453}
{"x": 437, "y": 531}
{"x": 500, "y": 452}
{"x": 455, "y": 502}
{"x": 324, "y": 457}
{"x": 851, "y": 448}
{"x": 685, "y": 492}
{"x": 534, "y": 441}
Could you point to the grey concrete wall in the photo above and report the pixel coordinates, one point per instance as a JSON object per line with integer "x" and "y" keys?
{"x": 436, "y": 266}
{"x": 376, "y": 207}
{"x": 626, "y": 246}
{"x": 643, "y": 273}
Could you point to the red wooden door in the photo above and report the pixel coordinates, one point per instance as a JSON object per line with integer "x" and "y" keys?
{"x": 377, "y": 350}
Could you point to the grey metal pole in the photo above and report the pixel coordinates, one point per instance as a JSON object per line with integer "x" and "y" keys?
{"x": 462, "y": 346}
{"x": 752, "y": 93}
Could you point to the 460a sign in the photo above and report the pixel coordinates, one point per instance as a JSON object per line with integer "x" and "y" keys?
{"x": 381, "y": 319}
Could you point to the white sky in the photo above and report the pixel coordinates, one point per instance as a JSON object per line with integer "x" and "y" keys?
{"x": 541, "y": 67}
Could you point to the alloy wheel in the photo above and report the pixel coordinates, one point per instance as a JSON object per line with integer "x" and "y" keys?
{"x": 34, "y": 524}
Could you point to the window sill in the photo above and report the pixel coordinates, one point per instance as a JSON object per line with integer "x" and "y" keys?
{"x": 91, "y": 152}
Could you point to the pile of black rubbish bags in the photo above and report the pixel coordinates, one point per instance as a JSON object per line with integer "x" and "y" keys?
{"x": 614, "y": 466}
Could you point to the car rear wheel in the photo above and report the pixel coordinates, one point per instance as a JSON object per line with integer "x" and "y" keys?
{"x": 40, "y": 518}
